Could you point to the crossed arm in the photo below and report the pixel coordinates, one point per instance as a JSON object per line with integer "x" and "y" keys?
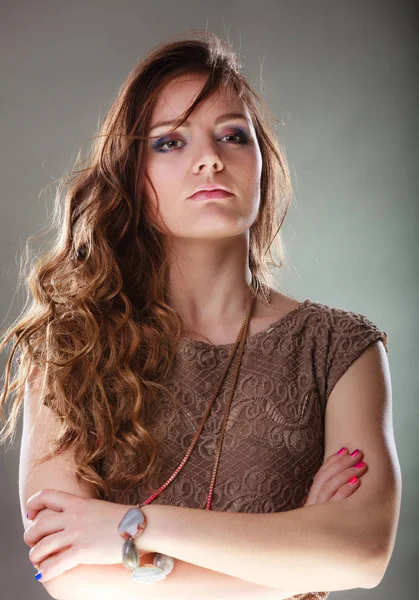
{"x": 107, "y": 582}
{"x": 322, "y": 547}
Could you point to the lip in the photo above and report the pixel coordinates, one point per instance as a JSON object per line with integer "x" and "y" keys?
{"x": 208, "y": 187}
{"x": 208, "y": 194}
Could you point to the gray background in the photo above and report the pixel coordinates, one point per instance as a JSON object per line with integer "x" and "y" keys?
{"x": 342, "y": 76}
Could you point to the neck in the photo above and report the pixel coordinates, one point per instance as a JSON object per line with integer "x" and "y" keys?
{"x": 201, "y": 302}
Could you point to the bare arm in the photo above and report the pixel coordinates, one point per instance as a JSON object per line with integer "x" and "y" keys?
{"x": 87, "y": 582}
{"x": 319, "y": 547}
{"x": 310, "y": 549}
{"x": 330, "y": 547}
{"x": 341, "y": 546}
{"x": 108, "y": 582}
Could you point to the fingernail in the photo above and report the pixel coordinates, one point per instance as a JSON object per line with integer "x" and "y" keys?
{"x": 359, "y": 465}
{"x": 355, "y": 452}
{"x": 38, "y": 575}
{"x": 353, "y": 480}
{"x": 27, "y": 515}
{"x": 341, "y": 451}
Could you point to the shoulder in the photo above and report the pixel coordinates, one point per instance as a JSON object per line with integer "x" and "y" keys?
{"x": 346, "y": 336}
{"x": 344, "y": 324}
{"x": 336, "y": 328}
{"x": 302, "y": 316}
{"x": 341, "y": 321}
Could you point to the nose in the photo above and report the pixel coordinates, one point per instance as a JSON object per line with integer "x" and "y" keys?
{"x": 209, "y": 157}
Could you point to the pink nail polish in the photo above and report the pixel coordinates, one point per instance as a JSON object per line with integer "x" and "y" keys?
{"x": 341, "y": 451}
{"x": 359, "y": 465}
{"x": 354, "y": 453}
{"x": 353, "y": 480}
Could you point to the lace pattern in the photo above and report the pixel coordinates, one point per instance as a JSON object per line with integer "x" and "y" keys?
{"x": 274, "y": 440}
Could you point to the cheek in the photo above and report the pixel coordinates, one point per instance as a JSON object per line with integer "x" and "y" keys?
{"x": 163, "y": 179}
{"x": 249, "y": 163}
{"x": 167, "y": 190}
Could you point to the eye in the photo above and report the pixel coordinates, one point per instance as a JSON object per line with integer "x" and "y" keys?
{"x": 162, "y": 142}
{"x": 243, "y": 139}
{"x": 239, "y": 133}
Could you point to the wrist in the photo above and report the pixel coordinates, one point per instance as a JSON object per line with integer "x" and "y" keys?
{"x": 139, "y": 550}
{"x": 146, "y": 541}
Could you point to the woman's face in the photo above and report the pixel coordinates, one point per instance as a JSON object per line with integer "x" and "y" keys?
{"x": 225, "y": 153}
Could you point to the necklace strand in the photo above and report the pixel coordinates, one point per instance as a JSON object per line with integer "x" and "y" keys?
{"x": 241, "y": 338}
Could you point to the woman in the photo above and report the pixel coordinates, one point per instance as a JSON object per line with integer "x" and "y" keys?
{"x": 138, "y": 309}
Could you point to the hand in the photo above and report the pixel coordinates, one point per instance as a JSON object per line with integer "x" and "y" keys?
{"x": 78, "y": 530}
{"x": 331, "y": 480}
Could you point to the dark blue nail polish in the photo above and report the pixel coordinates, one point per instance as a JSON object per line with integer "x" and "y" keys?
{"x": 38, "y": 576}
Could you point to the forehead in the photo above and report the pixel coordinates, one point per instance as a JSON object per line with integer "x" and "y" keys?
{"x": 180, "y": 93}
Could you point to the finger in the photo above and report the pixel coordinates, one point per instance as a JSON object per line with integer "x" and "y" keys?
{"x": 57, "y": 500}
{"x": 49, "y": 545}
{"x": 332, "y": 485}
{"x": 335, "y": 492}
{"x": 345, "y": 491}
{"x": 58, "y": 564}
{"x": 44, "y": 512}
{"x": 327, "y": 472}
{"x": 336, "y": 455}
{"x": 331, "y": 476}
{"x": 330, "y": 460}
{"x": 42, "y": 527}
{"x": 337, "y": 462}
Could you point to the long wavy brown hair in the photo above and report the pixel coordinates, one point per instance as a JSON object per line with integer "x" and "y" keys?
{"x": 96, "y": 322}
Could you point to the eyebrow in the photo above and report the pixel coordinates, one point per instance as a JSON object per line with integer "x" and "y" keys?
{"x": 219, "y": 119}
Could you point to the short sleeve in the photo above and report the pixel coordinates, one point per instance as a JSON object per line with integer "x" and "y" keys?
{"x": 350, "y": 334}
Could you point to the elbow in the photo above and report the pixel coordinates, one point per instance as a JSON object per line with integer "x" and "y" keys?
{"x": 376, "y": 574}
{"x": 90, "y": 581}
{"x": 50, "y": 592}
{"x": 381, "y": 552}
{"x": 379, "y": 561}
{"x": 64, "y": 586}
{"x": 53, "y": 590}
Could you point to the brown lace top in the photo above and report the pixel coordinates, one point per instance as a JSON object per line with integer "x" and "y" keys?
{"x": 274, "y": 440}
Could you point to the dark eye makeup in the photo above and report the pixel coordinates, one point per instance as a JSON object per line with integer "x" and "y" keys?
{"x": 237, "y": 131}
